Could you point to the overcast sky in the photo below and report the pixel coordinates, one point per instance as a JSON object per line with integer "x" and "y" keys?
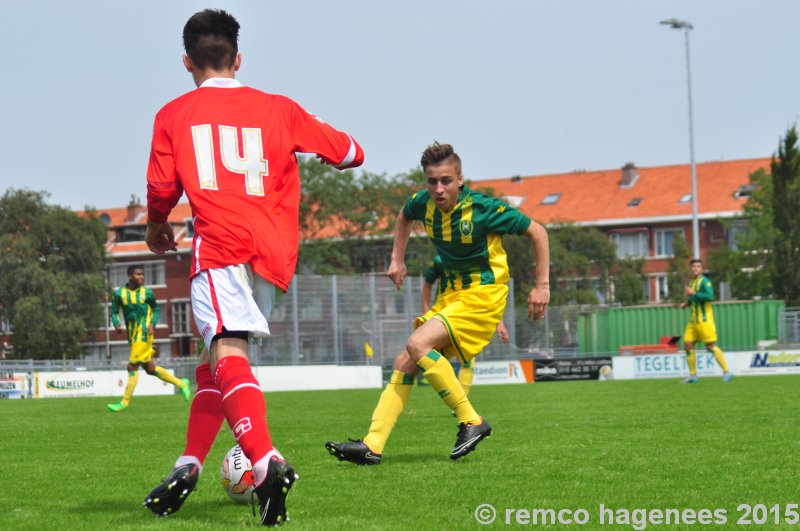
{"x": 522, "y": 87}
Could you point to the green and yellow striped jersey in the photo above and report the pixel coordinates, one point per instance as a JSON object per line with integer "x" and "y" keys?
{"x": 700, "y": 302}
{"x": 469, "y": 238}
{"x": 139, "y": 308}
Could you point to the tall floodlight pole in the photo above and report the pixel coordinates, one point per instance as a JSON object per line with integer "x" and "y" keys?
{"x": 674, "y": 23}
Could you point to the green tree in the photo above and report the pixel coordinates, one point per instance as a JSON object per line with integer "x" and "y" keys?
{"x": 785, "y": 172}
{"x": 51, "y": 274}
{"x": 628, "y": 281}
{"x": 678, "y": 270}
{"x": 346, "y": 219}
{"x": 766, "y": 259}
{"x": 579, "y": 257}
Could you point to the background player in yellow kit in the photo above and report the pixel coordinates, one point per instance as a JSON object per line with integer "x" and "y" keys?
{"x": 140, "y": 311}
{"x": 701, "y": 327}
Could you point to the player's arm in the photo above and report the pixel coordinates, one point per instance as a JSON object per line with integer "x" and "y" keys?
{"x": 163, "y": 191}
{"x": 115, "y": 304}
{"x": 539, "y": 297}
{"x": 397, "y": 267}
{"x": 333, "y": 147}
{"x": 150, "y": 299}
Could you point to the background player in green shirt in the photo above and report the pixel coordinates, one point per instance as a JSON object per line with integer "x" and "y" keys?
{"x": 466, "y": 228}
{"x": 701, "y": 325}
{"x": 140, "y": 311}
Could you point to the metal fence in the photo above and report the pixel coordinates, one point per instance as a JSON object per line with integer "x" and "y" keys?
{"x": 331, "y": 319}
{"x": 789, "y": 325}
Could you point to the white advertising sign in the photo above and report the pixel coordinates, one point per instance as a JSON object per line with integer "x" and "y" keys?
{"x": 13, "y": 385}
{"x": 498, "y": 372}
{"x": 674, "y": 365}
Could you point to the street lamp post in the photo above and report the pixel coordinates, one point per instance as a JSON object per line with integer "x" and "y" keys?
{"x": 674, "y": 23}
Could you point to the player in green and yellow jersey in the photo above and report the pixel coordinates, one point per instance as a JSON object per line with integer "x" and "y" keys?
{"x": 466, "y": 228}
{"x": 701, "y": 325}
{"x": 140, "y": 311}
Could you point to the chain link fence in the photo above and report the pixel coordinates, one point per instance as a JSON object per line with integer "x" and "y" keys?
{"x": 338, "y": 319}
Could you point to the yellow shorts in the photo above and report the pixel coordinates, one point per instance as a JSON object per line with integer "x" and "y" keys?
{"x": 703, "y": 332}
{"x": 470, "y": 316}
{"x": 142, "y": 351}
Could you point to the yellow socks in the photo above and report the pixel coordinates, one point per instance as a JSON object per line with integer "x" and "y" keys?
{"x": 691, "y": 359}
{"x": 391, "y": 404}
{"x": 720, "y": 357}
{"x": 133, "y": 377}
{"x": 163, "y": 375}
{"x": 465, "y": 376}
{"x": 439, "y": 373}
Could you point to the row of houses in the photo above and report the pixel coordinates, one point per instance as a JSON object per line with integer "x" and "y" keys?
{"x": 639, "y": 209}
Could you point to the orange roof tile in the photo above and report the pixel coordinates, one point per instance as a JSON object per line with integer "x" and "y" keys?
{"x": 586, "y": 197}
{"x": 596, "y": 197}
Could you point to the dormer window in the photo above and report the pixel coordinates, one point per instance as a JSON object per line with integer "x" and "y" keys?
{"x": 745, "y": 190}
{"x": 635, "y": 202}
{"x": 685, "y": 198}
{"x": 551, "y": 199}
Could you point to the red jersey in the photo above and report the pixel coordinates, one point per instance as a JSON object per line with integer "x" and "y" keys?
{"x": 232, "y": 150}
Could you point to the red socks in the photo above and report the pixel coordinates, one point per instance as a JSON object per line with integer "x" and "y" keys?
{"x": 205, "y": 416}
{"x": 244, "y": 407}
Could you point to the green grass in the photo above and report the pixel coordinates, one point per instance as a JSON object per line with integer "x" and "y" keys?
{"x": 655, "y": 444}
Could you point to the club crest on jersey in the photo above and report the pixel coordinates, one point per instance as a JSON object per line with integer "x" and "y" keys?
{"x": 466, "y": 228}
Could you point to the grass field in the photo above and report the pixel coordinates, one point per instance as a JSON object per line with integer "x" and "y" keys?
{"x": 647, "y": 444}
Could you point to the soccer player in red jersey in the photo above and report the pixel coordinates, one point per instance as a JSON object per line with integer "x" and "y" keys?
{"x": 232, "y": 150}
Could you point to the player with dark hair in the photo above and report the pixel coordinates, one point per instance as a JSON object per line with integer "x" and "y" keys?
{"x": 701, "y": 325}
{"x": 232, "y": 149}
{"x": 466, "y": 228}
{"x": 140, "y": 311}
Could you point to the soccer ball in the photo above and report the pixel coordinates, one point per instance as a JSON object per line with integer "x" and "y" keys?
{"x": 236, "y": 474}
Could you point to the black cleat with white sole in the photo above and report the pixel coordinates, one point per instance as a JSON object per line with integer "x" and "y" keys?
{"x": 355, "y": 451}
{"x": 469, "y": 435}
{"x": 272, "y": 492}
{"x": 170, "y": 494}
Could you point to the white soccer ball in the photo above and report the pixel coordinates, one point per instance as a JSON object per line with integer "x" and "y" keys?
{"x": 236, "y": 474}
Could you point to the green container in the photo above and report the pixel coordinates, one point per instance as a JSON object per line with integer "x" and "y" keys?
{"x": 740, "y": 325}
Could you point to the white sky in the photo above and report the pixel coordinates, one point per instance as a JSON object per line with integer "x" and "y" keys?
{"x": 519, "y": 87}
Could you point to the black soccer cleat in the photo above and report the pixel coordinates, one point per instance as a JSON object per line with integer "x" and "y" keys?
{"x": 272, "y": 492}
{"x": 469, "y": 435}
{"x": 170, "y": 494}
{"x": 355, "y": 451}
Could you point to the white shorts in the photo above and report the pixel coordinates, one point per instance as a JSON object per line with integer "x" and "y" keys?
{"x": 232, "y": 297}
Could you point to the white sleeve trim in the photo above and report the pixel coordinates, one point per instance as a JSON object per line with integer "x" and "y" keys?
{"x": 351, "y": 154}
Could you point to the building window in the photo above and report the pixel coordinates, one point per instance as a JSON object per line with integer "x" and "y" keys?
{"x": 131, "y": 234}
{"x": 153, "y": 273}
{"x": 733, "y": 233}
{"x": 685, "y": 198}
{"x": 551, "y": 199}
{"x": 189, "y": 229}
{"x": 662, "y": 288}
{"x": 180, "y": 318}
{"x": 745, "y": 190}
{"x": 664, "y": 239}
{"x": 635, "y": 202}
{"x": 162, "y": 314}
{"x": 630, "y": 244}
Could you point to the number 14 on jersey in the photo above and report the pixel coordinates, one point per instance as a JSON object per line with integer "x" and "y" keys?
{"x": 253, "y": 165}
